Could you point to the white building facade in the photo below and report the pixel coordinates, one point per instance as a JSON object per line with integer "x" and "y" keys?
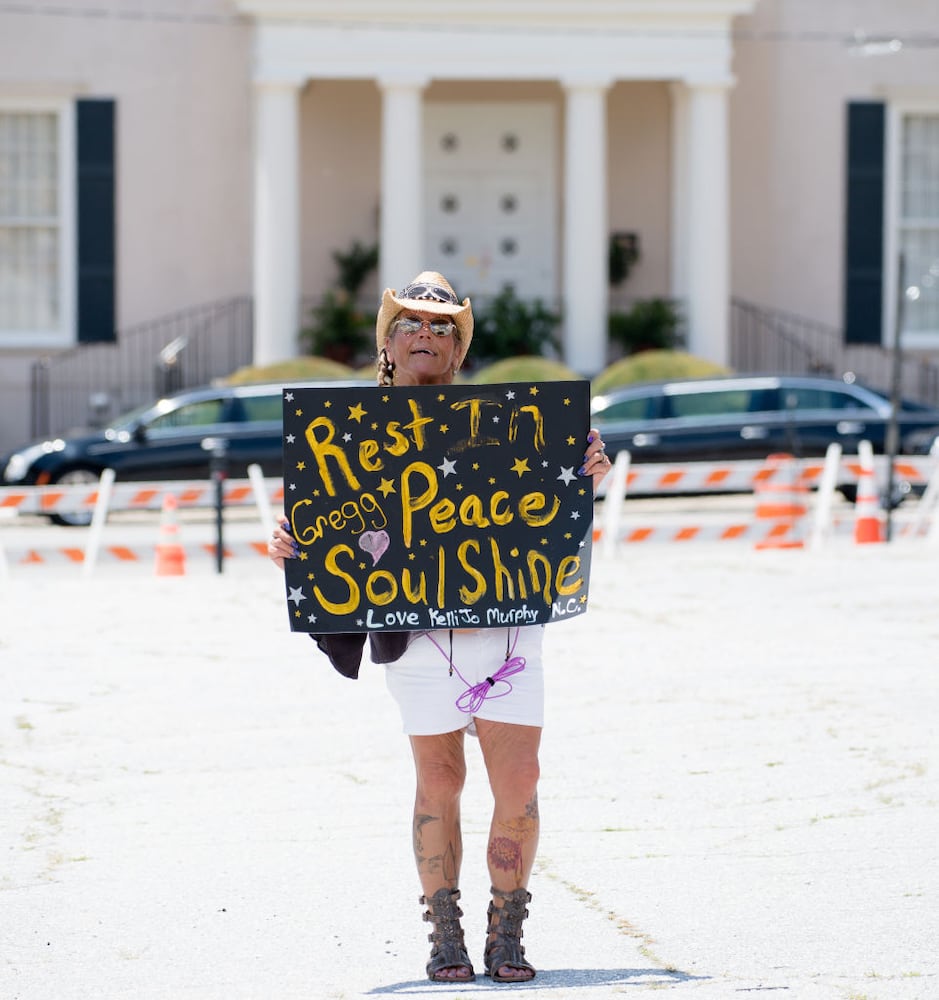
{"x": 552, "y": 239}
{"x": 772, "y": 150}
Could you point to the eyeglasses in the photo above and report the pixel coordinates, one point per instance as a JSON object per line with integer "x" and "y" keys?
{"x": 411, "y": 324}
{"x": 429, "y": 293}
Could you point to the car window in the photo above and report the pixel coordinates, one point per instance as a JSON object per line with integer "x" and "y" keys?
{"x": 637, "y": 408}
{"x": 805, "y": 398}
{"x": 724, "y": 402}
{"x": 200, "y": 414}
{"x": 262, "y": 408}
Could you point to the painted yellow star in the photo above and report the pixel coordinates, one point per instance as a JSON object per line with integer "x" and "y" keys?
{"x": 583, "y": 598}
{"x": 385, "y": 398}
{"x": 444, "y": 428}
{"x": 544, "y": 541}
{"x": 423, "y": 541}
{"x": 513, "y": 552}
{"x": 311, "y": 576}
{"x": 567, "y": 402}
{"x": 459, "y": 487}
{"x": 303, "y": 557}
{"x": 572, "y": 440}
{"x": 410, "y": 555}
{"x": 533, "y": 390}
{"x": 374, "y": 426}
{"x": 301, "y": 466}
{"x": 357, "y": 412}
{"x": 475, "y": 466}
{"x": 296, "y": 613}
{"x": 567, "y": 535}
{"x": 316, "y": 493}
{"x": 520, "y": 466}
{"x": 361, "y": 565}
{"x": 299, "y": 413}
{"x": 386, "y": 487}
{"x": 327, "y": 404}
{"x": 581, "y": 491}
{"x": 441, "y": 397}
{"x": 492, "y": 480}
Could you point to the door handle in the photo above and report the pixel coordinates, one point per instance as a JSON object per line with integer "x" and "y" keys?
{"x": 850, "y": 427}
{"x": 645, "y": 440}
{"x": 753, "y": 433}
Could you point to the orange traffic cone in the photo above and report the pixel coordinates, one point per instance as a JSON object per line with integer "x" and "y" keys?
{"x": 781, "y": 504}
{"x": 868, "y": 526}
{"x": 170, "y": 555}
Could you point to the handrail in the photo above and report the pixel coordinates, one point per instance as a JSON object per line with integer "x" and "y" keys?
{"x": 90, "y": 384}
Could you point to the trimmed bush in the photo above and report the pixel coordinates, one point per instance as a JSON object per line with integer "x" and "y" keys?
{"x": 292, "y": 370}
{"x": 527, "y": 368}
{"x": 655, "y": 366}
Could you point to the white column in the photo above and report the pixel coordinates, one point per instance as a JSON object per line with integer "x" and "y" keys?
{"x": 276, "y": 221}
{"x": 586, "y": 227}
{"x": 401, "y": 247}
{"x": 708, "y": 222}
{"x": 679, "y": 194}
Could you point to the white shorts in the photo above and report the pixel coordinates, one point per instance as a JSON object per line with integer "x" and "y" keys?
{"x": 434, "y": 701}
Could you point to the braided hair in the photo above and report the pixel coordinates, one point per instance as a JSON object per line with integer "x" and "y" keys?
{"x": 386, "y": 368}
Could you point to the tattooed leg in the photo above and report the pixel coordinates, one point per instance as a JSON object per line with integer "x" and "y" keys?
{"x": 511, "y": 755}
{"x": 438, "y": 845}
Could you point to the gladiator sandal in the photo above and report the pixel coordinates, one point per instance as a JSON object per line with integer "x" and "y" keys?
{"x": 503, "y": 944}
{"x": 449, "y": 951}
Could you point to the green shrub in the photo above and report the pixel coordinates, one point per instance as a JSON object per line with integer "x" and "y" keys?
{"x": 655, "y": 366}
{"x": 651, "y": 324}
{"x": 528, "y": 368}
{"x": 507, "y": 326}
{"x": 339, "y": 328}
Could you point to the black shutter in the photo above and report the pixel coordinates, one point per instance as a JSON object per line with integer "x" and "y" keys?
{"x": 864, "y": 232}
{"x": 95, "y": 223}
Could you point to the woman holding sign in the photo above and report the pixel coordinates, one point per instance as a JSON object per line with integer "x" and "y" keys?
{"x": 448, "y": 682}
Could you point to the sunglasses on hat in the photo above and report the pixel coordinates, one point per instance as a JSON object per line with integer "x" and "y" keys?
{"x": 429, "y": 293}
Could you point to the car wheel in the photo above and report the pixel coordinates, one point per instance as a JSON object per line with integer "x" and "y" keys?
{"x": 75, "y": 477}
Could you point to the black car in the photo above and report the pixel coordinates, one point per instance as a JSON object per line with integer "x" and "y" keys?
{"x": 750, "y": 417}
{"x": 164, "y": 441}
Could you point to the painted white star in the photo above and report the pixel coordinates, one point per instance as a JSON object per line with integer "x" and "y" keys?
{"x": 296, "y": 595}
{"x": 288, "y": 396}
{"x": 347, "y": 436}
{"x": 290, "y": 439}
{"x": 567, "y": 475}
{"x": 582, "y": 543}
{"x": 293, "y": 486}
{"x": 447, "y": 467}
{"x": 311, "y": 619}
{"x": 359, "y": 622}
{"x": 510, "y": 394}
{"x": 575, "y": 514}
{"x": 544, "y": 464}
{"x": 495, "y": 419}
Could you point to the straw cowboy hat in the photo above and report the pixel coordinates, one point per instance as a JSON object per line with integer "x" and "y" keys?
{"x": 429, "y": 292}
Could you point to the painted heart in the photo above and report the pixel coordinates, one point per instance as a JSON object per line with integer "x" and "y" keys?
{"x": 374, "y": 543}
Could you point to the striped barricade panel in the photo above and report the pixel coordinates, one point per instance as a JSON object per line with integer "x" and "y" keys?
{"x": 132, "y": 496}
{"x": 142, "y": 555}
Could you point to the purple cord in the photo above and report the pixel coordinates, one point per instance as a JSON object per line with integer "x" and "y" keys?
{"x": 471, "y": 700}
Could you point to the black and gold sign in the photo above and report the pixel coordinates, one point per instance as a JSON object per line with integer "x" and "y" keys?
{"x": 437, "y": 506}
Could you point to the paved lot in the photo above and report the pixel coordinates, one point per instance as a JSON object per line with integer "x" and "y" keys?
{"x": 739, "y": 789}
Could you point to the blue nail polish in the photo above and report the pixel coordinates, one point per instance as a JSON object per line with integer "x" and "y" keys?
{"x": 589, "y": 439}
{"x": 296, "y": 549}
{"x": 581, "y": 470}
